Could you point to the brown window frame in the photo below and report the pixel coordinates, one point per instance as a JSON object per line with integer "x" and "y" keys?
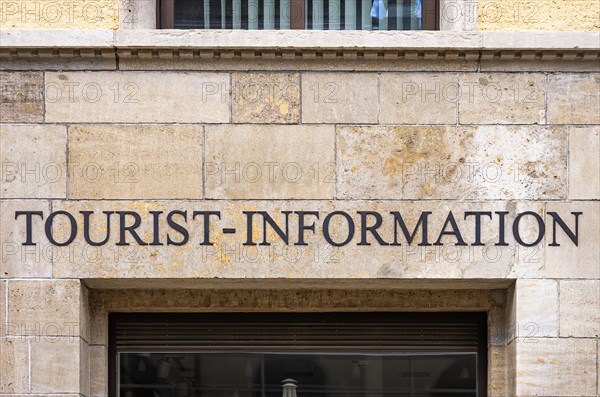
{"x": 166, "y": 14}
{"x": 426, "y": 340}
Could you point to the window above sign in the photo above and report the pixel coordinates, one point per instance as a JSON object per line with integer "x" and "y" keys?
{"x": 388, "y": 15}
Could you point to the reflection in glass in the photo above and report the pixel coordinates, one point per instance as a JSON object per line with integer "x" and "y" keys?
{"x": 314, "y": 374}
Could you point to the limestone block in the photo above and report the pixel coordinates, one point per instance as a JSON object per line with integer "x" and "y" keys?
{"x": 135, "y": 162}
{"x": 497, "y": 371}
{"x": 14, "y": 365}
{"x": 579, "y": 308}
{"x": 568, "y": 260}
{"x": 21, "y": 97}
{"x": 339, "y": 98}
{"x": 18, "y": 260}
{"x": 137, "y": 97}
{"x": 57, "y": 365}
{"x": 584, "y": 163}
{"x": 265, "y": 98}
{"x": 34, "y": 161}
{"x": 556, "y": 367}
{"x": 45, "y": 308}
{"x": 537, "y": 308}
{"x": 502, "y": 98}
{"x": 418, "y": 98}
{"x": 269, "y": 162}
{"x": 428, "y": 162}
{"x": 574, "y": 98}
{"x": 98, "y": 370}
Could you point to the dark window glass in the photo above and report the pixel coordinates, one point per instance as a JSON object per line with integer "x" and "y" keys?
{"x": 300, "y": 14}
{"x": 298, "y": 354}
{"x": 308, "y": 374}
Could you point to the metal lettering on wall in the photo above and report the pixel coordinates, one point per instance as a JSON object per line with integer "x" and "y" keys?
{"x": 338, "y": 228}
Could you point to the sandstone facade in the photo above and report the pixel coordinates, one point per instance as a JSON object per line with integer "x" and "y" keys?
{"x": 482, "y": 123}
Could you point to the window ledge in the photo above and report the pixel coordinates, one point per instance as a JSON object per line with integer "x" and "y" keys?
{"x": 226, "y": 43}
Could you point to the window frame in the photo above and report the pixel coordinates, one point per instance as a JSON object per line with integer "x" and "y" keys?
{"x": 165, "y": 15}
{"x": 479, "y": 319}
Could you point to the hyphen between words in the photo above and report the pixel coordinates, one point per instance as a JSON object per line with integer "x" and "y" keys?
{"x": 338, "y": 228}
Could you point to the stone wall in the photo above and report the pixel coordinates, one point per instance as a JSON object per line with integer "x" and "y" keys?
{"x": 244, "y": 130}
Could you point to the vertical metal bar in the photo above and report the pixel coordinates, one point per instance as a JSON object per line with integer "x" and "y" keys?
{"x": 342, "y": 12}
{"x": 358, "y": 20}
{"x": 325, "y": 14}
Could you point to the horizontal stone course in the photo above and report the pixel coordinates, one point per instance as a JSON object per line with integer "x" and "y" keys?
{"x": 229, "y": 258}
{"x": 257, "y": 39}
